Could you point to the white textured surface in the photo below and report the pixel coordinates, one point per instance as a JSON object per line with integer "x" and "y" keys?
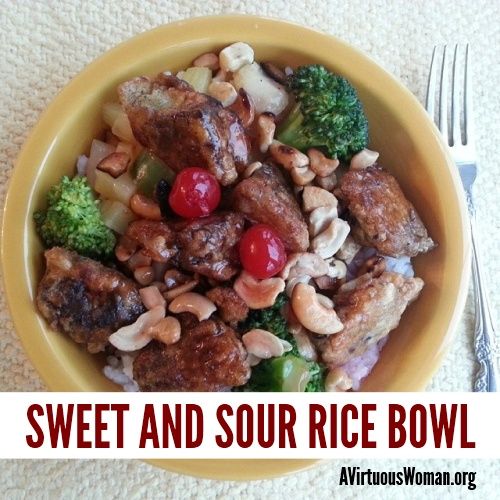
{"x": 44, "y": 44}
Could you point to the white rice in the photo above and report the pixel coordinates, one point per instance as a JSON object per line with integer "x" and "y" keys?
{"x": 81, "y": 165}
{"x": 359, "y": 368}
{"x": 119, "y": 370}
{"x": 401, "y": 265}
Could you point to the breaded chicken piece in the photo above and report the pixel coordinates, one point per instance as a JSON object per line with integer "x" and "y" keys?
{"x": 208, "y": 245}
{"x": 185, "y": 128}
{"x": 85, "y": 299}
{"x": 208, "y": 357}
{"x": 384, "y": 218}
{"x": 231, "y": 307}
{"x": 154, "y": 238}
{"x": 265, "y": 197}
{"x": 369, "y": 308}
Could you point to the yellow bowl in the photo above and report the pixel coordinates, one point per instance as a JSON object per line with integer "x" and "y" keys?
{"x": 410, "y": 148}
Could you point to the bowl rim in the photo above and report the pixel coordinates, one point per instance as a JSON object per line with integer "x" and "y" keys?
{"x": 14, "y": 249}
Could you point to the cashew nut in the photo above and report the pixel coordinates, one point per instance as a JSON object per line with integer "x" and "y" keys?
{"x": 330, "y": 240}
{"x": 311, "y": 313}
{"x": 208, "y": 60}
{"x": 287, "y": 156}
{"x": 337, "y": 269}
{"x": 144, "y": 275}
{"x": 327, "y": 183}
{"x": 166, "y": 331}
{"x": 193, "y": 303}
{"x": 220, "y": 76}
{"x": 145, "y": 207}
{"x": 258, "y": 294}
{"x": 293, "y": 323}
{"x": 315, "y": 197}
{"x": 265, "y": 131}
{"x": 364, "y": 159}
{"x": 132, "y": 337}
{"x": 151, "y": 297}
{"x": 139, "y": 259}
{"x": 320, "y": 164}
{"x": 320, "y": 218}
{"x": 161, "y": 286}
{"x": 172, "y": 293}
{"x": 325, "y": 301}
{"x": 304, "y": 344}
{"x": 348, "y": 250}
{"x": 224, "y": 92}
{"x": 290, "y": 283}
{"x": 299, "y": 264}
{"x": 125, "y": 249}
{"x": 174, "y": 278}
{"x": 235, "y": 56}
{"x": 251, "y": 169}
{"x": 264, "y": 344}
{"x": 302, "y": 176}
{"x": 337, "y": 380}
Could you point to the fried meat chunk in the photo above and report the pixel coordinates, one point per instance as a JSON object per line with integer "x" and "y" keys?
{"x": 232, "y": 308}
{"x": 86, "y": 300}
{"x": 265, "y": 197}
{"x": 184, "y": 127}
{"x": 208, "y": 357}
{"x": 369, "y": 308}
{"x": 208, "y": 245}
{"x": 384, "y": 218}
{"x": 154, "y": 238}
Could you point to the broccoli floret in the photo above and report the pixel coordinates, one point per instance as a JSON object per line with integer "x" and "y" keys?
{"x": 72, "y": 220}
{"x": 270, "y": 319}
{"x": 276, "y": 373}
{"x": 328, "y": 114}
{"x": 316, "y": 378}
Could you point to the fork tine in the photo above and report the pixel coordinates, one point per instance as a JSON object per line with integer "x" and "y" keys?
{"x": 455, "y": 101}
{"x": 431, "y": 86}
{"x": 443, "y": 98}
{"x": 468, "y": 121}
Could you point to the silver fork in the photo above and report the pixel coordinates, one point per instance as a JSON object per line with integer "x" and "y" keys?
{"x": 459, "y": 136}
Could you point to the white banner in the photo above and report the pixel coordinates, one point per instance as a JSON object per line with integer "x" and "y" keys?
{"x": 249, "y": 425}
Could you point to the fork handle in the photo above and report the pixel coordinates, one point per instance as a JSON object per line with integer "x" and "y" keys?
{"x": 487, "y": 376}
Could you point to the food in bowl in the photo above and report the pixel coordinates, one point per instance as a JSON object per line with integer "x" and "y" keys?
{"x": 243, "y": 237}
